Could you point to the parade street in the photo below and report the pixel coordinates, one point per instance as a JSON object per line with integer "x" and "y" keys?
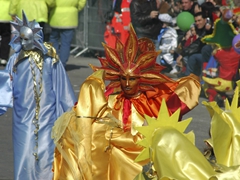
{"x": 78, "y": 69}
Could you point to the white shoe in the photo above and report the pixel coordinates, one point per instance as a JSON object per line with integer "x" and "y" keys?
{"x": 3, "y": 62}
{"x": 174, "y": 70}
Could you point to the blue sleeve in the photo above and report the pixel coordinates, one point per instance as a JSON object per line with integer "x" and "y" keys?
{"x": 65, "y": 97}
{"x": 6, "y": 98}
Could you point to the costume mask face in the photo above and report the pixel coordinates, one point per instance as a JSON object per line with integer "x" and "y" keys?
{"x": 130, "y": 85}
{"x": 27, "y": 39}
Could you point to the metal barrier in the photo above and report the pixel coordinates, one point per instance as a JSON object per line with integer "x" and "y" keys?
{"x": 91, "y": 26}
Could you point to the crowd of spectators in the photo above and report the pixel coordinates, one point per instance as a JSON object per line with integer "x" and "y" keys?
{"x": 191, "y": 52}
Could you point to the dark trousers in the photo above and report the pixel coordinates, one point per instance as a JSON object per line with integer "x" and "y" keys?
{"x": 195, "y": 61}
{"x": 206, "y": 52}
{"x": 5, "y": 33}
{"x": 194, "y": 64}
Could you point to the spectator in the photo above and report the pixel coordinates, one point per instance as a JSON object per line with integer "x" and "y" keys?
{"x": 236, "y": 22}
{"x": 63, "y": 20}
{"x": 168, "y": 42}
{"x": 35, "y": 10}
{"x": 144, "y": 18}
{"x": 192, "y": 37}
{"x": 118, "y": 25}
{"x": 5, "y": 32}
{"x": 187, "y": 40}
{"x": 188, "y": 5}
{"x": 216, "y": 2}
{"x": 192, "y": 54}
{"x": 164, "y": 6}
{"x": 175, "y": 8}
{"x": 196, "y": 8}
{"x": 211, "y": 11}
{"x": 41, "y": 91}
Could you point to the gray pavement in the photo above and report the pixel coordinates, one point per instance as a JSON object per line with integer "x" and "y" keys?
{"x": 78, "y": 69}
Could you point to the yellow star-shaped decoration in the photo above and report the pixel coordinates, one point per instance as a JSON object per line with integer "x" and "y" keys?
{"x": 163, "y": 120}
{"x": 234, "y": 105}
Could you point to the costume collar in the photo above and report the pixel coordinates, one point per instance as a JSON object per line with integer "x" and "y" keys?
{"x": 35, "y": 54}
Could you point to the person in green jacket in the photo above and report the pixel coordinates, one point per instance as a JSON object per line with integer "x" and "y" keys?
{"x": 63, "y": 20}
{"x": 34, "y": 9}
{"x": 5, "y": 31}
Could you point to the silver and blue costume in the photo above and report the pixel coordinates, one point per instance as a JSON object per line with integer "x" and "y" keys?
{"x": 41, "y": 92}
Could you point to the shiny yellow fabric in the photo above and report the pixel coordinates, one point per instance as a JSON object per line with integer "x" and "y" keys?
{"x": 81, "y": 142}
{"x": 73, "y": 140}
{"x": 87, "y": 149}
{"x": 188, "y": 90}
{"x": 176, "y": 158}
{"x": 136, "y": 118}
{"x": 225, "y": 133}
{"x": 124, "y": 151}
{"x": 219, "y": 84}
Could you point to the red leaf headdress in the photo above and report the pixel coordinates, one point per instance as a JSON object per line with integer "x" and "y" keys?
{"x": 136, "y": 58}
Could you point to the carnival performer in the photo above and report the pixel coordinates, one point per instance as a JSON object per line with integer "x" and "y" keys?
{"x": 41, "y": 92}
{"x": 188, "y": 160}
{"x": 97, "y": 139}
{"x": 221, "y": 79}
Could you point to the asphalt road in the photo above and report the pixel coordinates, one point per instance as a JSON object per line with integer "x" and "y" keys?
{"x": 78, "y": 69}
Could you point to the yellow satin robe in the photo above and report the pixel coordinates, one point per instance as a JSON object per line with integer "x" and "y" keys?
{"x": 81, "y": 137}
{"x": 81, "y": 141}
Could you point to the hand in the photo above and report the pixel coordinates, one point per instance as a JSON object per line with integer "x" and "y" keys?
{"x": 208, "y": 26}
{"x": 13, "y": 17}
{"x": 154, "y": 14}
{"x": 188, "y": 34}
{"x": 179, "y": 61}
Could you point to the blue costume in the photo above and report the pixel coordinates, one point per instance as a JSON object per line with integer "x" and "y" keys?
{"x": 41, "y": 92}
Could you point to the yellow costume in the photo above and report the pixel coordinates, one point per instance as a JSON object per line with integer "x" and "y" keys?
{"x": 97, "y": 139}
{"x": 174, "y": 156}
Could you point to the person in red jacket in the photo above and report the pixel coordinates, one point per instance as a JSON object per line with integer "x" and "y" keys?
{"x": 118, "y": 27}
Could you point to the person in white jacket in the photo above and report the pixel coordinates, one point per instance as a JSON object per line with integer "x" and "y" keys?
{"x": 168, "y": 41}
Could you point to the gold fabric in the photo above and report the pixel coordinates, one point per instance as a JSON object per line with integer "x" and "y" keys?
{"x": 188, "y": 90}
{"x": 35, "y": 55}
{"x": 225, "y": 131}
{"x": 51, "y": 52}
{"x": 179, "y": 159}
{"x": 73, "y": 135}
{"x": 89, "y": 148}
{"x": 175, "y": 157}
